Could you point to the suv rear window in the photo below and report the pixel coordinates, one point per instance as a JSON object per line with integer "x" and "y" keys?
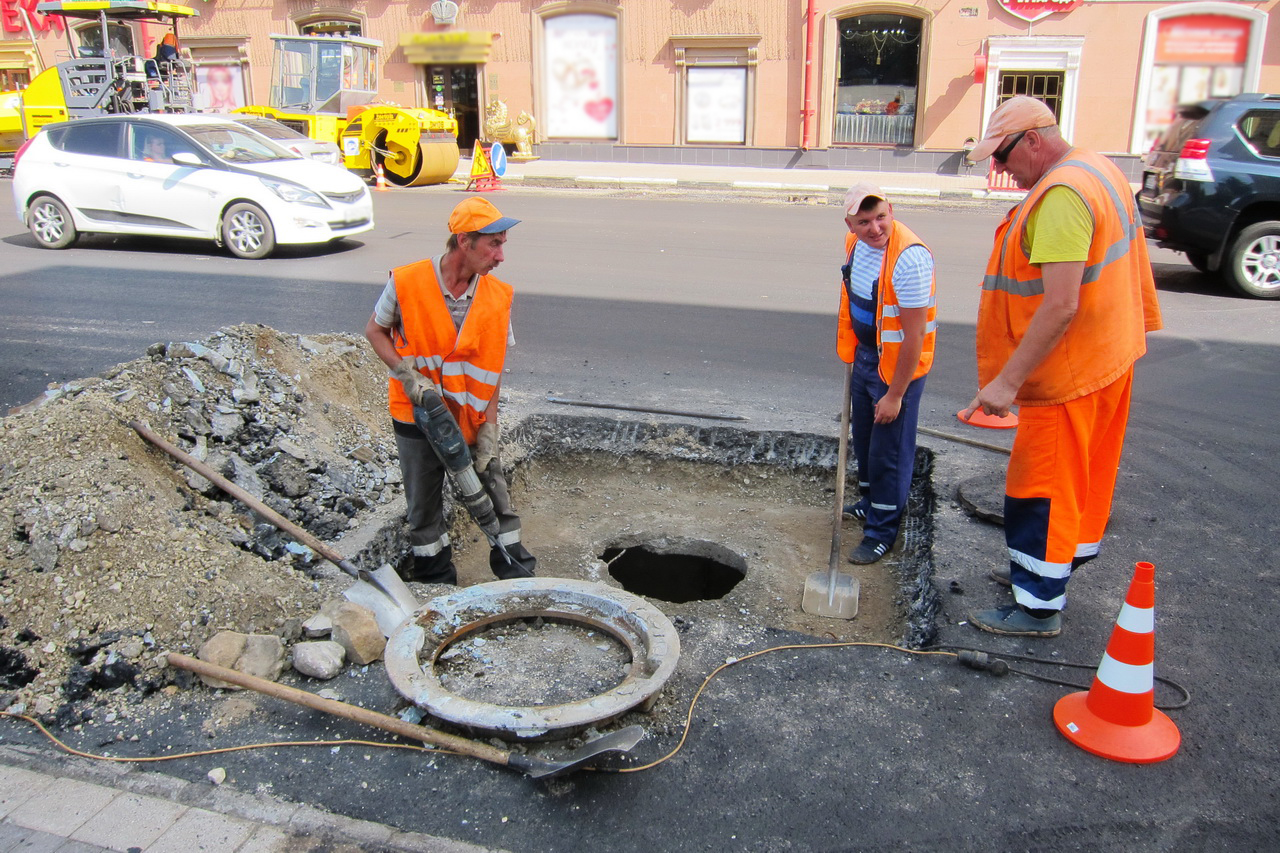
{"x": 102, "y": 140}
{"x": 1261, "y": 129}
{"x": 1182, "y": 128}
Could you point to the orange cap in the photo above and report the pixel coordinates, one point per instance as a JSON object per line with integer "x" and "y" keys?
{"x": 858, "y": 193}
{"x": 1019, "y": 113}
{"x": 478, "y": 214}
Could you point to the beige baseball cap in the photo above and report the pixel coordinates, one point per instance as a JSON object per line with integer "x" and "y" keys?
{"x": 1017, "y": 114}
{"x": 858, "y": 193}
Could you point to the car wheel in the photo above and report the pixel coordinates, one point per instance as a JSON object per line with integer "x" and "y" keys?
{"x": 247, "y": 232}
{"x": 1255, "y": 261}
{"x": 1200, "y": 262}
{"x": 50, "y": 223}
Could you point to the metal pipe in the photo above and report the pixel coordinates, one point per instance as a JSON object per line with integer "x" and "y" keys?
{"x": 810, "y": 41}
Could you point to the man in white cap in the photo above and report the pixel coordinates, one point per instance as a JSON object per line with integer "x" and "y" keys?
{"x": 1067, "y": 300}
{"x": 887, "y": 328}
{"x": 444, "y": 324}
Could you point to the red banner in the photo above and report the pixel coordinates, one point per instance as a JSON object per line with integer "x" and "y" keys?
{"x": 1034, "y": 10}
{"x": 1202, "y": 40}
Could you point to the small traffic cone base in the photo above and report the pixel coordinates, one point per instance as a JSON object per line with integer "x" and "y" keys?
{"x": 1153, "y": 741}
{"x": 1117, "y": 717}
{"x": 980, "y": 419}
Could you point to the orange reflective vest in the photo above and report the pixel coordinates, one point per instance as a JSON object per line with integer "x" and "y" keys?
{"x": 466, "y": 363}
{"x": 889, "y": 334}
{"x": 1117, "y": 300}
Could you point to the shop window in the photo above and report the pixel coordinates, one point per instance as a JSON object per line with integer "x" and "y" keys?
{"x": 220, "y": 87}
{"x": 14, "y": 78}
{"x": 1194, "y": 52}
{"x": 580, "y": 76}
{"x": 1046, "y": 86}
{"x": 716, "y": 88}
{"x": 330, "y": 26}
{"x": 879, "y": 78}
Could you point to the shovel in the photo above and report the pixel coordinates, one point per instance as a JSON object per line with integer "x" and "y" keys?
{"x": 382, "y": 591}
{"x": 831, "y": 593}
{"x": 537, "y": 768}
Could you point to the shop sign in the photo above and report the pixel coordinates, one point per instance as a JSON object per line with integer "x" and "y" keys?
{"x": 11, "y": 17}
{"x": 447, "y": 48}
{"x": 1202, "y": 40}
{"x": 1033, "y": 10}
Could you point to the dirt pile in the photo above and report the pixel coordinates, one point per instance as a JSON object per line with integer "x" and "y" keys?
{"x": 113, "y": 553}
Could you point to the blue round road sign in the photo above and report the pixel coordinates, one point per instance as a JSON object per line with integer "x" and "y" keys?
{"x": 498, "y": 159}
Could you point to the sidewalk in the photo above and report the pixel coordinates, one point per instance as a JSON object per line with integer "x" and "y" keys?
{"x": 71, "y": 805}
{"x": 657, "y": 176}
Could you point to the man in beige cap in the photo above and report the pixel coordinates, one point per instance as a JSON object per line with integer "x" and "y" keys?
{"x": 443, "y": 325}
{"x": 1067, "y": 300}
{"x": 886, "y": 334}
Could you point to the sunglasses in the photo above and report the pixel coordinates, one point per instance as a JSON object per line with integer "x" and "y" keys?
{"x": 1003, "y": 154}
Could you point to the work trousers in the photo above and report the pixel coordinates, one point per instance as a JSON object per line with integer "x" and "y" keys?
{"x": 886, "y": 453}
{"x": 1062, "y": 475}
{"x": 424, "y": 478}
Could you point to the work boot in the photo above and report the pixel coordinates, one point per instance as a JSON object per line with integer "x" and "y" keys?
{"x": 1000, "y": 574}
{"x": 521, "y": 566}
{"x": 1012, "y": 621}
{"x": 436, "y": 569}
{"x": 858, "y": 511}
{"x": 870, "y": 551}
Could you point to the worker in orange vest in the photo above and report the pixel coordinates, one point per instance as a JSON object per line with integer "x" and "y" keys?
{"x": 442, "y": 325}
{"x": 1067, "y": 300}
{"x": 886, "y": 331}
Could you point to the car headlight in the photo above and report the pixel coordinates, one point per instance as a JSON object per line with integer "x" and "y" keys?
{"x": 294, "y": 193}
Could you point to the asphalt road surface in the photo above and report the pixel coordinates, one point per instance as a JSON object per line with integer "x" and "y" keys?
{"x": 728, "y": 307}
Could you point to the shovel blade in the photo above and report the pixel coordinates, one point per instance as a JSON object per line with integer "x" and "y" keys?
{"x": 391, "y": 600}
{"x": 540, "y": 768}
{"x": 821, "y": 599}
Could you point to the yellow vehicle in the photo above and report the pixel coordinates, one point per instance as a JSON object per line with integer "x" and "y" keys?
{"x": 326, "y": 87}
{"x": 100, "y": 75}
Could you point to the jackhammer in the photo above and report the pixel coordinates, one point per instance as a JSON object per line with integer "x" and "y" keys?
{"x": 446, "y": 440}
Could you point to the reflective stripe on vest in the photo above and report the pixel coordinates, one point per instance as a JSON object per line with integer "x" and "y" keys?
{"x": 466, "y": 363}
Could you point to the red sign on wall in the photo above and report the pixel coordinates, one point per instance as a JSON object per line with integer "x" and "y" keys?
{"x": 1034, "y": 10}
{"x": 11, "y": 17}
{"x": 1202, "y": 40}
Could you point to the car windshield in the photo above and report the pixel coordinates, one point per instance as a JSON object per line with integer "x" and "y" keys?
{"x": 237, "y": 144}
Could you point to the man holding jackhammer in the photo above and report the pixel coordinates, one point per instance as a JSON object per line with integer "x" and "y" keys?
{"x": 442, "y": 325}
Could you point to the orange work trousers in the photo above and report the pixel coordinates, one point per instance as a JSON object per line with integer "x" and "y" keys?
{"x": 1062, "y": 475}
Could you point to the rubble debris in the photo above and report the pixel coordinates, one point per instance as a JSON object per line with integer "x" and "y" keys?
{"x": 356, "y": 629}
{"x": 254, "y": 654}
{"x": 321, "y": 659}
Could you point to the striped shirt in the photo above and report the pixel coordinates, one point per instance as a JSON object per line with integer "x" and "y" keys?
{"x": 912, "y": 276}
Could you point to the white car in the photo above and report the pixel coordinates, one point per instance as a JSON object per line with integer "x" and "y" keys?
{"x": 287, "y": 137}
{"x": 198, "y": 176}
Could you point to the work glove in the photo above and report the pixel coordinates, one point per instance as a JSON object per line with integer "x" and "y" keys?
{"x": 413, "y": 382}
{"x": 486, "y": 447}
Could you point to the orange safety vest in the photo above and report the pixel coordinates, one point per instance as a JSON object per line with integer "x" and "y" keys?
{"x": 1117, "y": 300}
{"x": 889, "y": 333}
{"x": 466, "y": 363}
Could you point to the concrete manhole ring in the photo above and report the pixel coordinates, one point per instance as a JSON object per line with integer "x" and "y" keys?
{"x": 646, "y": 632}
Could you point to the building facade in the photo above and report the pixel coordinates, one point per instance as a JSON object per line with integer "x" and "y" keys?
{"x": 807, "y": 83}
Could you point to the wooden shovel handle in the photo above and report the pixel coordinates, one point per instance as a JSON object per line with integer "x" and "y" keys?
{"x": 395, "y": 725}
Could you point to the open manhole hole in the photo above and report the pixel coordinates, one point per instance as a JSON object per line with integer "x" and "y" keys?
{"x": 617, "y": 502}
{"x": 697, "y": 571}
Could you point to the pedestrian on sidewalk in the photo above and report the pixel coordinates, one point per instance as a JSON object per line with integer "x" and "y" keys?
{"x": 1066, "y": 303}
{"x": 887, "y": 328}
{"x": 443, "y": 325}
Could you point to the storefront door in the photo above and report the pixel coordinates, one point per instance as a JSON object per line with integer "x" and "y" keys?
{"x": 455, "y": 90}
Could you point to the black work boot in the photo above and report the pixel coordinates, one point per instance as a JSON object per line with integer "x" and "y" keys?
{"x": 437, "y": 569}
{"x": 521, "y": 566}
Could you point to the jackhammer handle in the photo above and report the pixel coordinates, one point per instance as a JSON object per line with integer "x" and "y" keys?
{"x": 273, "y": 517}
{"x": 395, "y": 725}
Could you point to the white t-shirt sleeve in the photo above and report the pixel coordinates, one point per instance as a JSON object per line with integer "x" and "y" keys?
{"x": 387, "y": 312}
{"x": 913, "y": 277}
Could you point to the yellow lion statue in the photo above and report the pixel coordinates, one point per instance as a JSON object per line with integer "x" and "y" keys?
{"x": 499, "y": 128}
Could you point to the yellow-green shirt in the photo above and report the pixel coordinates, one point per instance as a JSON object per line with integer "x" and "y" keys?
{"x": 1060, "y": 228}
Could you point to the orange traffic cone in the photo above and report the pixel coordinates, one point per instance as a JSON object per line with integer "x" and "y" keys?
{"x": 381, "y": 176}
{"x": 981, "y": 419}
{"x": 1117, "y": 718}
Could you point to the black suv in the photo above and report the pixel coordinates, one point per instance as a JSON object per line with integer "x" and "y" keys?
{"x": 1211, "y": 189}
